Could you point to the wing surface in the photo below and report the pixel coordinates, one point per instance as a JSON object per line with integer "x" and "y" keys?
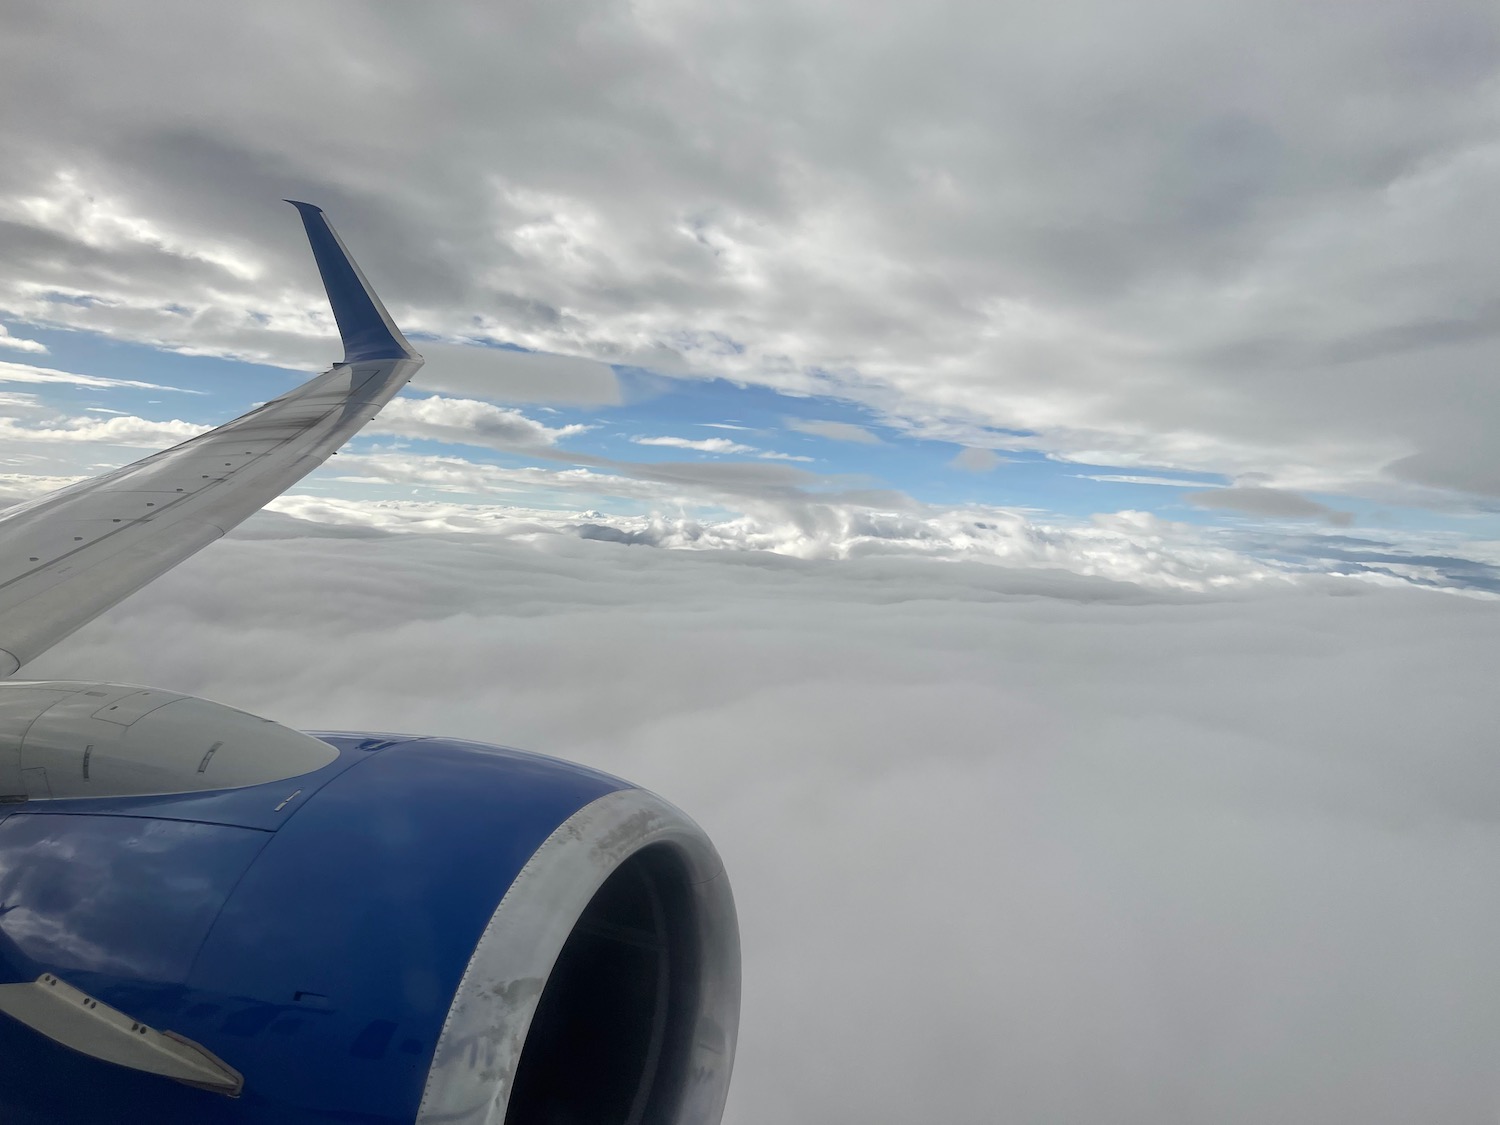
{"x": 67, "y": 557}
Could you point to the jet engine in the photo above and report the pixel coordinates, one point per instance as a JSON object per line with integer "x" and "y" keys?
{"x": 208, "y": 917}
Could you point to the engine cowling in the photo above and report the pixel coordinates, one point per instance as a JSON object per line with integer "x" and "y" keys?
{"x": 64, "y": 738}
{"x": 409, "y": 929}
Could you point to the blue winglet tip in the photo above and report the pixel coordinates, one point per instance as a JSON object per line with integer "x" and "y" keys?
{"x": 366, "y": 328}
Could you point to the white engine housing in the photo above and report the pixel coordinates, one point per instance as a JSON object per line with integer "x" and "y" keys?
{"x": 61, "y": 738}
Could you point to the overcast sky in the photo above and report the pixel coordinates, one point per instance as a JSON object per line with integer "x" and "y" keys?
{"x": 1023, "y": 475}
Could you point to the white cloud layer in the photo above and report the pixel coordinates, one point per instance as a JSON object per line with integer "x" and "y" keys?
{"x": 1003, "y": 840}
{"x": 747, "y": 506}
{"x": 1125, "y": 546}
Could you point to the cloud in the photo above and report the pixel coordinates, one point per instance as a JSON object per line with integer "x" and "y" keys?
{"x": 476, "y": 370}
{"x": 17, "y": 343}
{"x": 1130, "y": 478}
{"x": 466, "y": 422}
{"x": 1450, "y": 561}
{"x": 26, "y": 373}
{"x": 717, "y": 505}
{"x": 446, "y": 473}
{"x": 719, "y": 445}
{"x": 1051, "y": 817}
{"x": 973, "y": 460}
{"x": 1196, "y": 268}
{"x": 678, "y": 483}
{"x": 16, "y": 487}
{"x": 1257, "y": 500}
{"x": 122, "y": 430}
{"x": 833, "y": 431}
{"x": 1127, "y": 546}
{"x": 1462, "y": 467}
{"x": 702, "y": 445}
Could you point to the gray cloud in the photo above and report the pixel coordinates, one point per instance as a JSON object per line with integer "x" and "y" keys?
{"x": 1258, "y": 500}
{"x": 837, "y": 431}
{"x": 1463, "y": 466}
{"x": 973, "y": 460}
{"x": 1228, "y": 237}
{"x": 999, "y": 837}
{"x": 501, "y": 373}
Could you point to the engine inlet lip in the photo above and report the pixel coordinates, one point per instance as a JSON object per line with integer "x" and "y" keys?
{"x": 484, "y": 1033}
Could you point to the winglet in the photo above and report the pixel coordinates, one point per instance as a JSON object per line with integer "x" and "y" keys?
{"x": 367, "y": 329}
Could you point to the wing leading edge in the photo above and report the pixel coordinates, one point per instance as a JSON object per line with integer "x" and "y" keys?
{"x": 67, "y": 557}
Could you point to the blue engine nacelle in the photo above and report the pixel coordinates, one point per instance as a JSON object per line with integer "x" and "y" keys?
{"x": 343, "y": 928}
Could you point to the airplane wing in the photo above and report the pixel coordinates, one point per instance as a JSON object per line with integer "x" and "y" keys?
{"x": 67, "y": 557}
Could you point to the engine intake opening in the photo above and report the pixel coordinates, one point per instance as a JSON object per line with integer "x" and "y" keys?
{"x": 611, "y": 1038}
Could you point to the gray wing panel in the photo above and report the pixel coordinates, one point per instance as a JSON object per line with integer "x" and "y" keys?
{"x": 67, "y": 557}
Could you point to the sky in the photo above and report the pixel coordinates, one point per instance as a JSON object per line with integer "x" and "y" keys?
{"x": 1021, "y": 475}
